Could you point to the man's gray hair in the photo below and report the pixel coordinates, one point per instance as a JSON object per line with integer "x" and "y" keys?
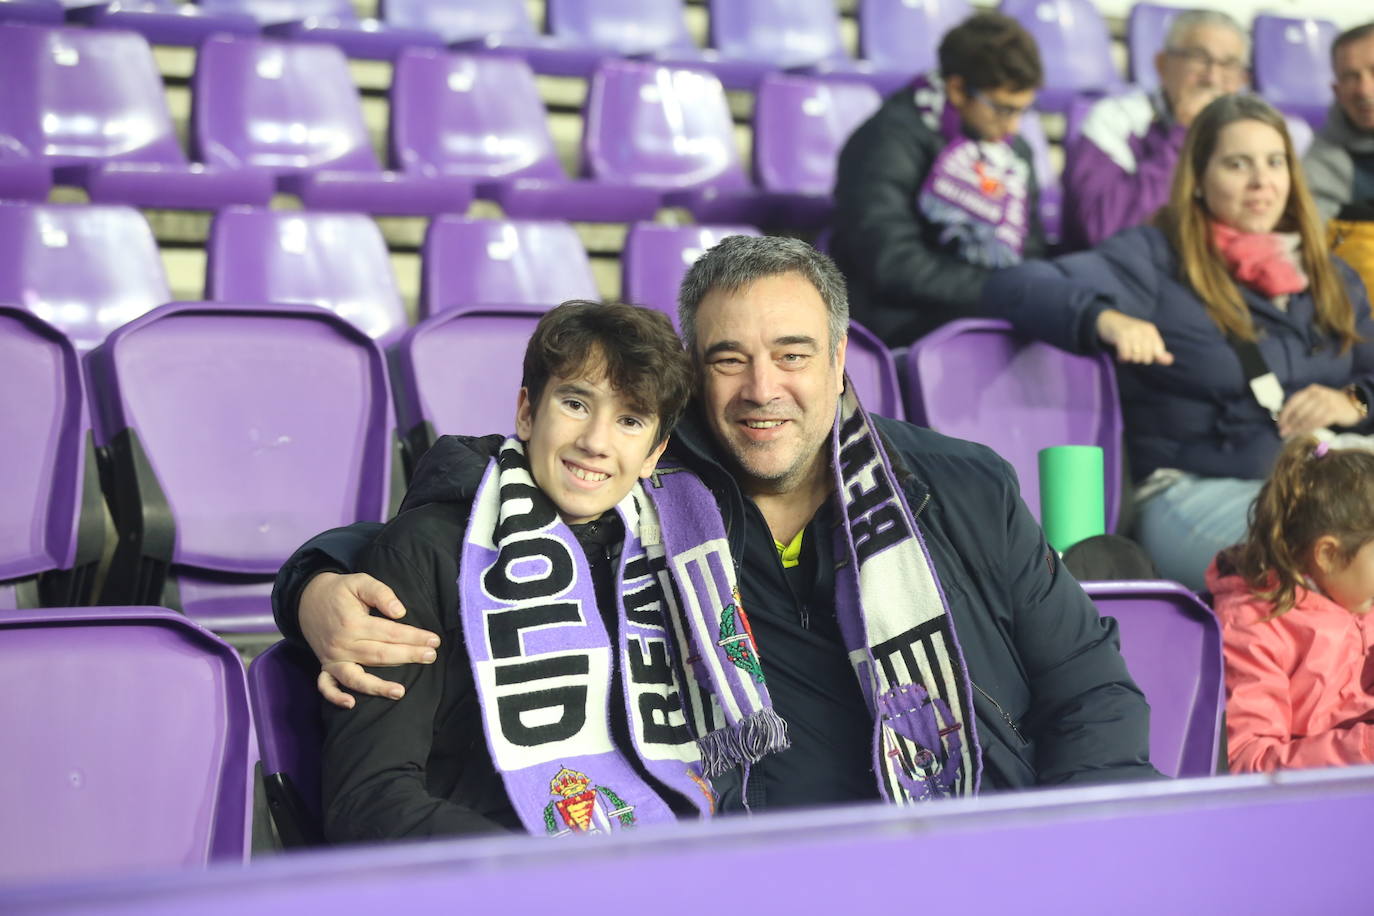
{"x": 738, "y": 261}
{"x": 1188, "y": 20}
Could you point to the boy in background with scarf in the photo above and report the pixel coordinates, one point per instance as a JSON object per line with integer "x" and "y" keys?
{"x": 556, "y": 705}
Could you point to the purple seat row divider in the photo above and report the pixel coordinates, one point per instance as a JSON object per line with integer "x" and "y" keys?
{"x": 130, "y": 744}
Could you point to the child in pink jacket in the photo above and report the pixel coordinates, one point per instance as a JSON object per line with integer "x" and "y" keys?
{"x": 1294, "y": 603}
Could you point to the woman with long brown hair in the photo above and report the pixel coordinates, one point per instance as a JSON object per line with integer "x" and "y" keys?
{"x": 1233, "y": 326}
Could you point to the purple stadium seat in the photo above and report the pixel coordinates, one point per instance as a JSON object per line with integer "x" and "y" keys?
{"x": 800, "y": 125}
{"x": 902, "y": 36}
{"x": 1172, "y": 646}
{"x": 668, "y": 129}
{"x": 458, "y": 372}
{"x": 41, "y": 12}
{"x": 51, "y": 530}
{"x": 165, "y": 22}
{"x": 1300, "y": 132}
{"x": 480, "y": 118}
{"x": 471, "y": 262}
{"x": 656, "y": 258}
{"x": 84, "y": 269}
{"x": 286, "y": 716}
{"x": 291, "y": 110}
{"x": 1075, "y": 48}
{"x": 870, "y": 366}
{"x": 1147, "y": 31}
{"x": 338, "y": 261}
{"x": 1292, "y": 64}
{"x": 131, "y": 744}
{"x": 975, "y": 379}
{"x": 331, "y": 21}
{"x": 625, "y": 28}
{"x": 235, "y": 432}
{"x": 1051, "y": 188}
{"x": 94, "y": 110}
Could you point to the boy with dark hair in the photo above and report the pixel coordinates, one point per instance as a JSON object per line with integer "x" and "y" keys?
{"x": 936, "y": 189}
{"x": 569, "y": 598}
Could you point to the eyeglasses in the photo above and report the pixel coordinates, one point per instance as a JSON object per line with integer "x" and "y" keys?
{"x": 1004, "y": 112}
{"x": 1198, "y": 59}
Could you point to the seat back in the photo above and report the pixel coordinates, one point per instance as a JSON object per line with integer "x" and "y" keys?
{"x": 1172, "y": 646}
{"x": 502, "y": 262}
{"x": 459, "y": 371}
{"x": 1051, "y": 203}
{"x": 338, "y": 261}
{"x": 656, "y": 258}
{"x": 46, "y": 431}
{"x": 89, "y": 96}
{"x": 800, "y": 125}
{"x": 869, "y": 365}
{"x": 1075, "y": 47}
{"x": 784, "y": 33}
{"x": 904, "y": 35}
{"x": 625, "y": 27}
{"x": 270, "y": 12}
{"x": 279, "y": 106}
{"x": 469, "y": 115}
{"x": 84, "y": 269}
{"x": 130, "y": 741}
{"x": 460, "y": 20}
{"x": 1292, "y": 63}
{"x": 659, "y": 127}
{"x": 976, "y": 379}
{"x": 1147, "y": 32}
{"x": 286, "y": 715}
{"x": 250, "y": 428}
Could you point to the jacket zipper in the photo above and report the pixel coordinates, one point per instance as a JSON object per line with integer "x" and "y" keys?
{"x": 1006, "y": 716}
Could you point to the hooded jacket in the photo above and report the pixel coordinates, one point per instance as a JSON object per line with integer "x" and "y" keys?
{"x": 1296, "y": 690}
{"x": 1340, "y": 165}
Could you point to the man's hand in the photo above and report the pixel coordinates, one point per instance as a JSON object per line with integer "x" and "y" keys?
{"x": 1314, "y": 407}
{"x": 1135, "y": 341}
{"x": 1191, "y": 102}
{"x": 336, "y": 620}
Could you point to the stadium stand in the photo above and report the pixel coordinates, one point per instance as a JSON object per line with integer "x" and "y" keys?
{"x": 902, "y": 36}
{"x": 164, "y": 22}
{"x": 331, "y": 21}
{"x": 656, "y": 258}
{"x": 286, "y": 717}
{"x": 1292, "y": 65}
{"x": 1075, "y": 49}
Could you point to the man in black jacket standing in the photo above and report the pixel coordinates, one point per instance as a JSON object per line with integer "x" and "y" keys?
{"x": 937, "y": 189}
{"x": 1025, "y": 678}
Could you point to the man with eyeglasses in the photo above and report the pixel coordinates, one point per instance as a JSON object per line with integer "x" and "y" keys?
{"x": 1119, "y": 169}
{"x": 937, "y": 189}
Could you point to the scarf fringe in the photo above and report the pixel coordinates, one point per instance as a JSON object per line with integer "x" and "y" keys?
{"x": 747, "y": 741}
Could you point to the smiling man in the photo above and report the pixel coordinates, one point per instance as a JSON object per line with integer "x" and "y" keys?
{"x": 917, "y": 634}
{"x": 1340, "y": 163}
{"x": 937, "y": 187}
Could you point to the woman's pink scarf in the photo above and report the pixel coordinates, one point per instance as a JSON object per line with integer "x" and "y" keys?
{"x": 1264, "y": 261}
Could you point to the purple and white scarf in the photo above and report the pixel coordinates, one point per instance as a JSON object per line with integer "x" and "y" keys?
{"x": 895, "y": 622}
{"x": 684, "y": 665}
{"x": 977, "y": 191}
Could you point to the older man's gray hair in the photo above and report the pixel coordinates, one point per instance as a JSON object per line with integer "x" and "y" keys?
{"x": 1187, "y": 21}
{"x": 738, "y": 261}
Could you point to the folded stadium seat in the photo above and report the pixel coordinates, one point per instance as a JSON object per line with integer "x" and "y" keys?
{"x": 1172, "y": 646}
{"x": 1292, "y": 64}
{"x": 1075, "y": 49}
{"x": 286, "y": 717}
{"x": 974, "y": 378}
{"x": 338, "y": 261}
{"x": 656, "y": 257}
{"x": 800, "y": 125}
{"x": 480, "y": 118}
{"x": 84, "y": 269}
{"x": 290, "y": 110}
{"x": 668, "y": 129}
{"x": 331, "y": 21}
{"x": 500, "y": 26}
{"x": 902, "y": 36}
{"x": 1051, "y": 188}
{"x": 52, "y": 529}
{"x": 470, "y": 262}
{"x": 458, "y": 372}
{"x": 165, "y": 22}
{"x": 870, "y": 366}
{"x": 131, "y": 744}
{"x": 1147, "y": 31}
{"x": 42, "y": 12}
{"x": 93, "y": 110}
{"x": 233, "y": 433}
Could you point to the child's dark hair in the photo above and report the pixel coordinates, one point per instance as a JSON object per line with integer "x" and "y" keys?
{"x": 634, "y": 348}
{"x": 991, "y": 51}
{"x": 1312, "y": 491}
